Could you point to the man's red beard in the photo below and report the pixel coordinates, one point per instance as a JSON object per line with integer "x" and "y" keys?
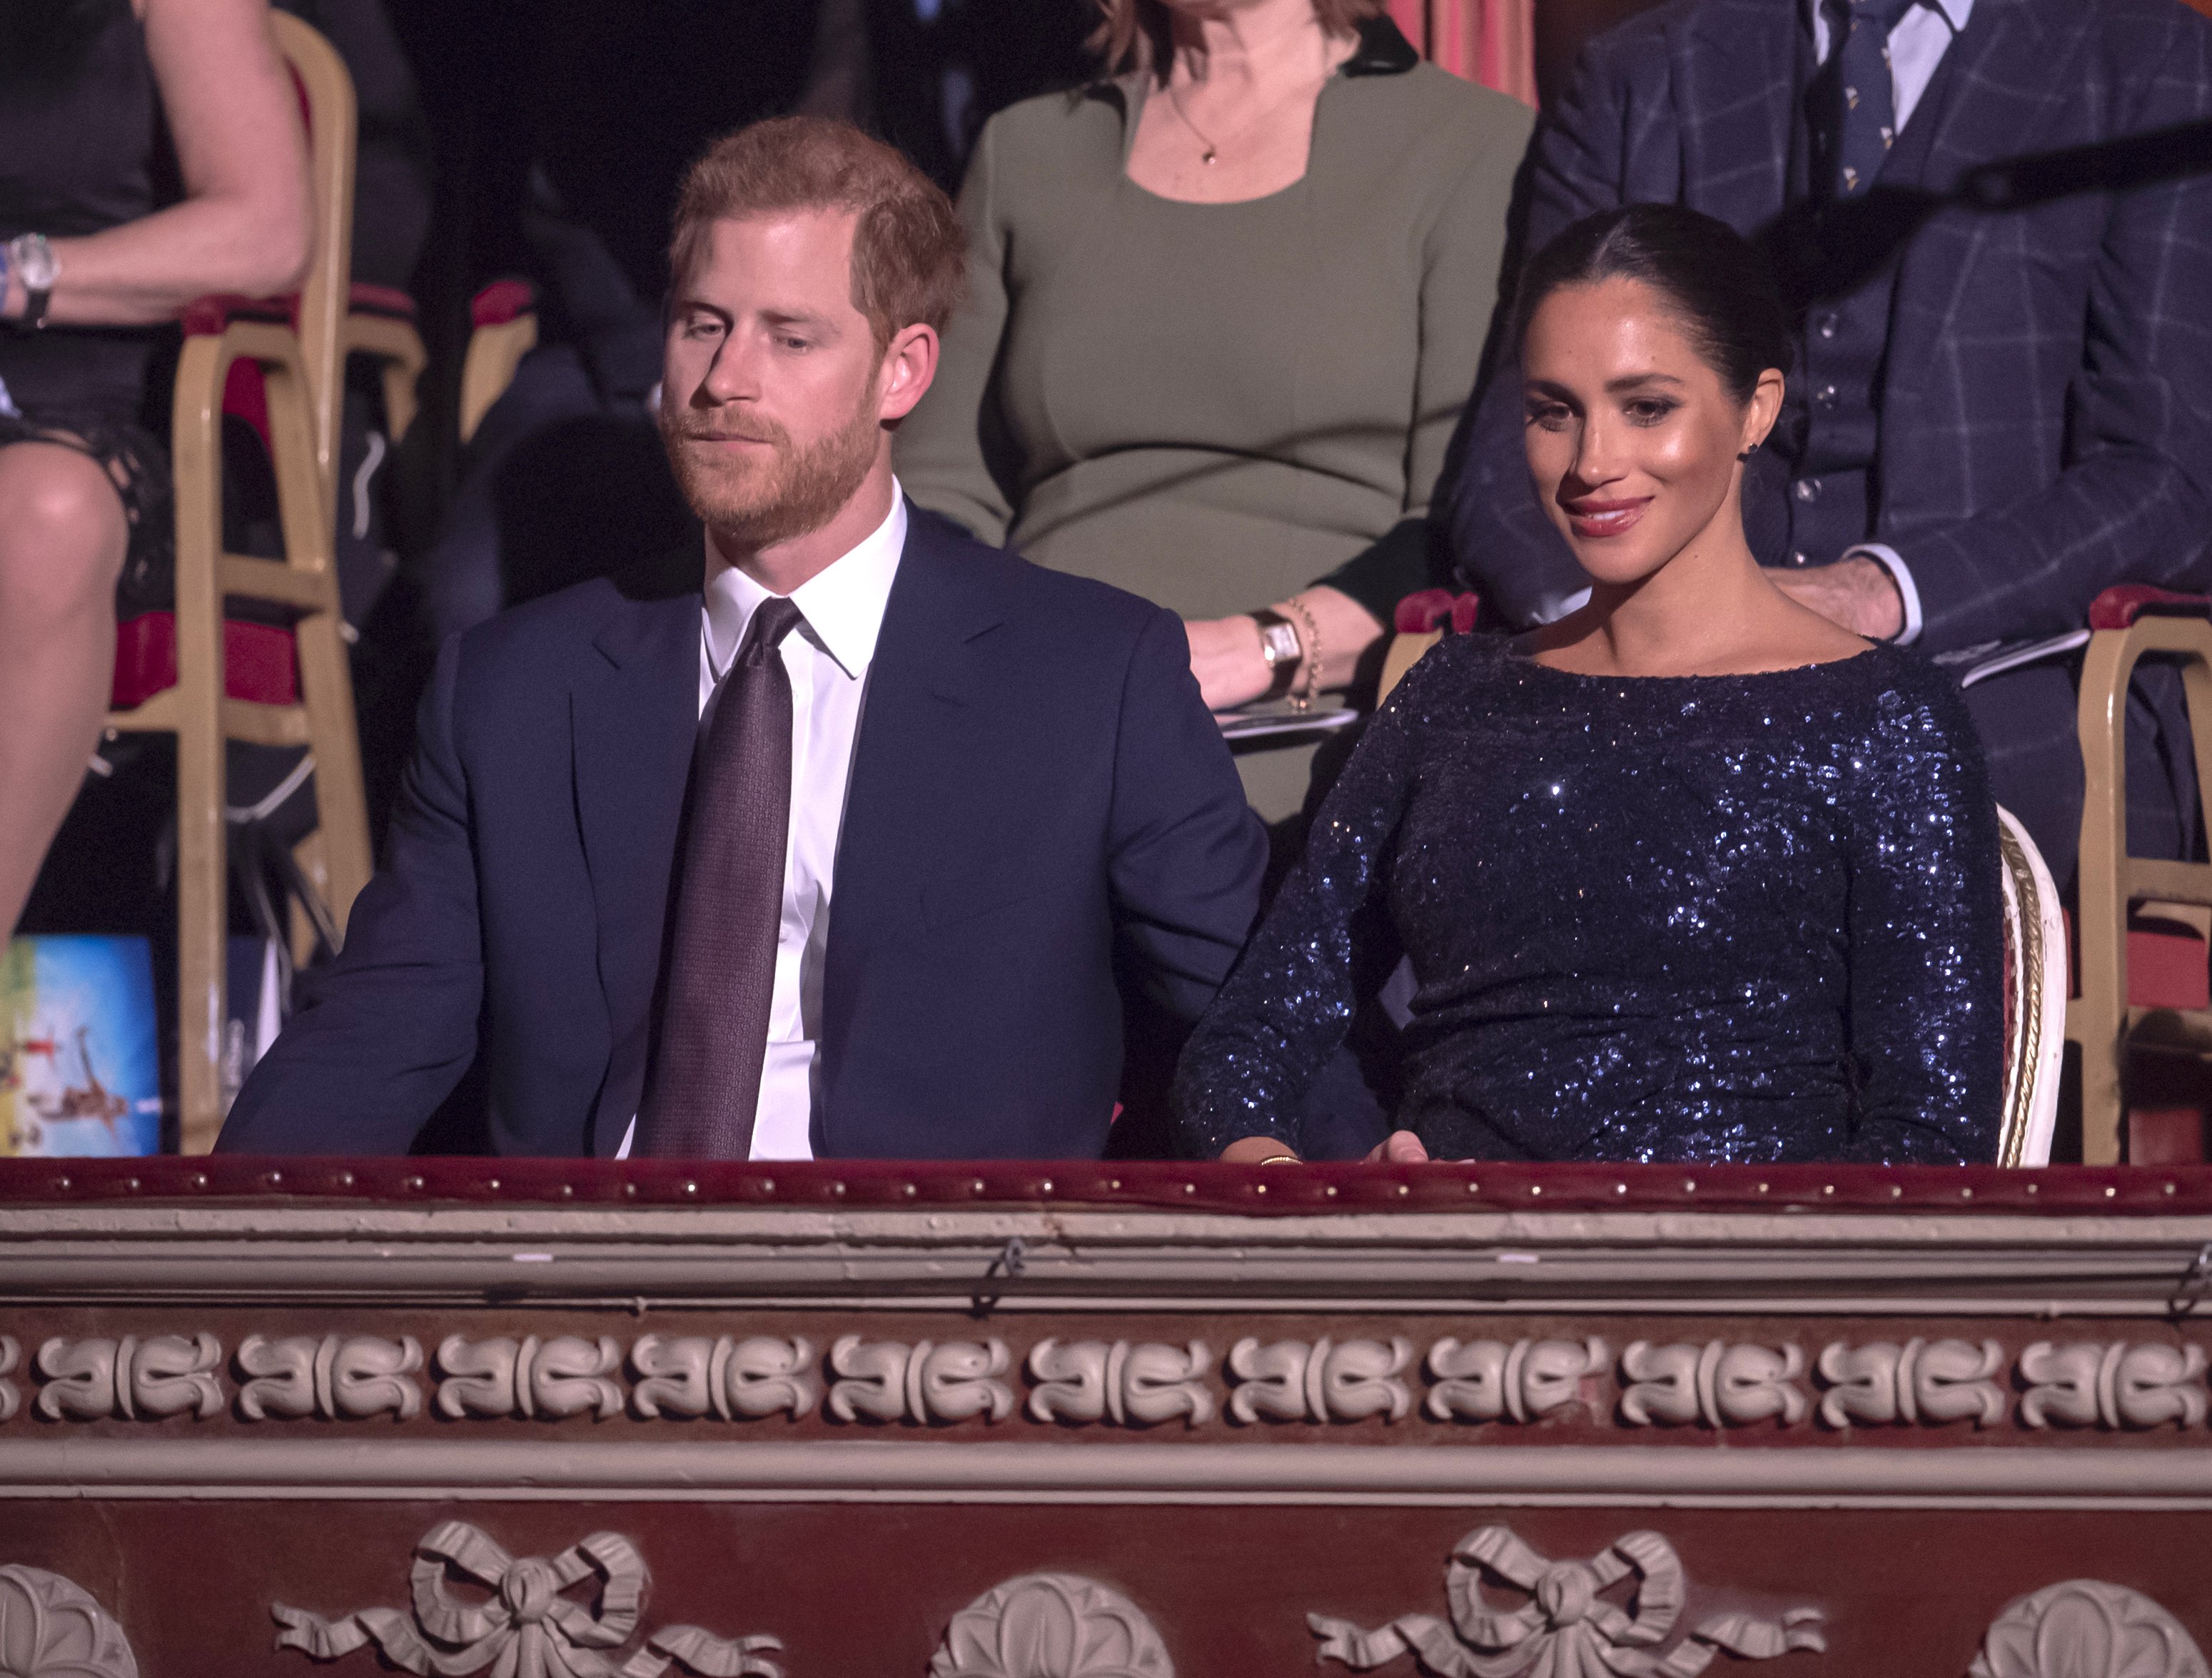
{"x": 755, "y": 497}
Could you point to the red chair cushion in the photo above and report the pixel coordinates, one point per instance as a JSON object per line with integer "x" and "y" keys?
{"x": 1436, "y": 609}
{"x": 259, "y": 662}
{"x": 367, "y": 299}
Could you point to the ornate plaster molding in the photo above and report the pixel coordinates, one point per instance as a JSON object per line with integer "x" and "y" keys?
{"x": 693, "y": 1375}
{"x": 344, "y": 1466}
{"x": 1324, "y": 1381}
{"x": 162, "y": 1375}
{"x": 337, "y": 1378}
{"x": 1926, "y": 1382}
{"x": 1566, "y": 1626}
{"x": 51, "y": 1628}
{"x": 1487, "y": 1380}
{"x": 2086, "y": 1628}
{"x": 1131, "y": 1386}
{"x": 1051, "y": 1625}
{"x": 561, "y": 1377}
{"x": 531, "y": 1624}
{"x": 2087, "y": 1384}
{"x": 11, "y": 1353}
{"x": 925, "y": 1382}
{"x": 1716, "y": 1384}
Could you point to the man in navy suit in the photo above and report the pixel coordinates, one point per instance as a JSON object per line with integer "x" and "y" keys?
{"x": 1996, "y": 218}
{"x": 869, "y": 848}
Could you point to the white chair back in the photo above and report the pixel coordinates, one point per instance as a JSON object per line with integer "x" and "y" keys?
{"x": 2035, "y": 998}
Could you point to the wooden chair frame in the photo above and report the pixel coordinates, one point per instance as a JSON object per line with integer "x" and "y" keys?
{"x": 301, "y": 373}
{"x": 494, "y": 351}
{"x": 2035, "y": 938}
{"x": 2112, "y": 883}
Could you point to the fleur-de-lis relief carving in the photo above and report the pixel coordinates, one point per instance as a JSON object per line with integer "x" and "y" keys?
{"x": 1051, "y": 1625}
{"x": 339, "y": 1377}
{"x": 1716, "y": 1383}
{"x": 530, "y": 1625}
{"x": 1324, "y": 1381}
{"x": 1566, "y": 1626}
{"x": 1089, "y": 1381}
{"x": 52, "y": 1627}
{"x": 2086, "y": 1628}
{"x": 1923, "y": 1381}
{"x": 162, "y": 1375}
{"x": 693, "y": 1375}
{"x": 1485, "y": 1380}
{"x": 564, "y": 1375}
{"x": 890, "y": 1381}
{"x": 2085, "y": 1384}
{"x": 10, "y": 1354}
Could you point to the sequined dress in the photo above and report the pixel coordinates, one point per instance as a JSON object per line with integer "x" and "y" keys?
{"x": 1698, "y": 918}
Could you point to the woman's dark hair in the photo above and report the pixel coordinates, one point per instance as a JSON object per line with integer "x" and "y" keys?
{"x": 1717, "y": 282}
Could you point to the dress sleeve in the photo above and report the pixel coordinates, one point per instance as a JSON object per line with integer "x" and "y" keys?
{"x": 1927, "y": 933}
{"x": 943, "y": 451}
{"x": 1289, "y": 1002}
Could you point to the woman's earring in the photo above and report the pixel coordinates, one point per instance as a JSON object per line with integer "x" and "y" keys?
{"x": 1752, "y": 450}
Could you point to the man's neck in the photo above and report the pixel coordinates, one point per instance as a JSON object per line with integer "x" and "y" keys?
{"x": 781, "y": 568}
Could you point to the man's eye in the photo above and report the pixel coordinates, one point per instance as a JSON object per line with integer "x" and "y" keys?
{"x": 790, "y": 343}
{"x": 702, "y": 329}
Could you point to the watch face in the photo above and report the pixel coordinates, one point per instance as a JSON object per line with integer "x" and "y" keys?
{"x": 1279, "y": 641}
{"x": 35, "y": 258}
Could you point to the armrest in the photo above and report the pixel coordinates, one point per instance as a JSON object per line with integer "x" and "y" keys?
{"x": 1434, "y": 609}
{"x": 382, "y": 300}
{"x": 206, "y": 317}
{"x": 2118, "y": 608}
{"x": 501, "y": 302}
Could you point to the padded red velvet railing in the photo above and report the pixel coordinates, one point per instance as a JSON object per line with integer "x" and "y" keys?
{"x": 1208, "y": 1188}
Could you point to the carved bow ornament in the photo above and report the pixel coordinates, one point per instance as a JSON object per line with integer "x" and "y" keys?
{"x": 529, "y": 1628}
{"x": 1566, "y": 1629}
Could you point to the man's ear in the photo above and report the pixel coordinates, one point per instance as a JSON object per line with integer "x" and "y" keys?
{"x": 910, "y": 364}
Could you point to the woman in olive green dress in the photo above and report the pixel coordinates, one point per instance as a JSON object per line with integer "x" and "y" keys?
{"x": 1225, "y": 308}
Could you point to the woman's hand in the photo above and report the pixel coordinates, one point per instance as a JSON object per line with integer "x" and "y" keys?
{"x": 1401, "y": 1148}
{"x": 1225, "y": 652}
{"x": 1256, "y": 1151}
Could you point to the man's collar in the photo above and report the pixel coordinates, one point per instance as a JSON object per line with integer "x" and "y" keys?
{"x": 1955, "y": 12}
{"x": 842, "y": 604}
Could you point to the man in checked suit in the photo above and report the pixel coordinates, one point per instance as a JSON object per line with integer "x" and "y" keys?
{"x": 1996, "y": 218}
{"x": 860, "y": 851}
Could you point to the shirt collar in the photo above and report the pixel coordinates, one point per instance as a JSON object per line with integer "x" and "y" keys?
{"x": 842, "y": 604}
{"x": 1955, "y": 12}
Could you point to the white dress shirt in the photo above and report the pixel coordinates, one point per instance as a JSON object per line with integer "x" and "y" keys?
{"x": 827, "y": 657}
{"x": 1917, "y": 46}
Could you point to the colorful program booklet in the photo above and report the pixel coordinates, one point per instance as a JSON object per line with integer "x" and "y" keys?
{"x": 80, "y": 1062}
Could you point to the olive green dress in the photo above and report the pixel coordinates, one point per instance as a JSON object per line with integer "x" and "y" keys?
{"x": 1216, "y": 405}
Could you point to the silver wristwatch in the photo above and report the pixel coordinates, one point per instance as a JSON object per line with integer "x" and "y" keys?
{"x": 29, "y": 255}
{"x": 1280, "y": 647}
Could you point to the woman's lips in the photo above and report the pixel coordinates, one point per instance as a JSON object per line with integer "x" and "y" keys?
{"x": 1594, "y": 519}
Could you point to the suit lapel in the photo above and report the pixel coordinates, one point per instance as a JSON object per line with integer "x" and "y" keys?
{"x": 634, "y": 717}
{"x": 1735, "y": 67}
{"x": 927, "y": 672}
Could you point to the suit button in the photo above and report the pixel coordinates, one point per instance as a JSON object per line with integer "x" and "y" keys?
{"x": 1807, "y": 489}
{"x": 1827, "y": 325}
{"x": 1799, "y": 558}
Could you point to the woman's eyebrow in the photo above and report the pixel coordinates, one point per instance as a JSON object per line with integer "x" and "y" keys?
{"x": 1636, "y": 380}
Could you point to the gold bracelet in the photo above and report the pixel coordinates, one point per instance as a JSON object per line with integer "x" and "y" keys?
{"x": 1303, "y": 701}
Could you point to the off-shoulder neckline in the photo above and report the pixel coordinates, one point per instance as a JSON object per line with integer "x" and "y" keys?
{"x": 1514, "y": 656}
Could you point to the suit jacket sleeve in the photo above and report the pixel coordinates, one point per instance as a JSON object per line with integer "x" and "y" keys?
{"x": 1185, "y": 853}
{"x": 1579, "y": 162}
{"x": 952, "y": 457}
{"x": 383, "y": 1036}
{"x": 2134, "y": 503}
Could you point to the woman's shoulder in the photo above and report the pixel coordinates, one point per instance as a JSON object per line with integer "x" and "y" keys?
{"x": 1043, "y": 131}
{"x": 1432, "y": 107}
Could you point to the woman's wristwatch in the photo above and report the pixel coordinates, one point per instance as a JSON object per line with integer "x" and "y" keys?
{"x": 1280, "y": 647}
{"x": 30, "y": 256}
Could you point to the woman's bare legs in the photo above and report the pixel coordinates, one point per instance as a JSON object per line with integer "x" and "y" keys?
{"x": 62, "y": 538}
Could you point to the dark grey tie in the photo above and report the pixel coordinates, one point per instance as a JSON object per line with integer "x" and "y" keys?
{"x": 704, "y": 1081}
{"x": 1866, "y": 123}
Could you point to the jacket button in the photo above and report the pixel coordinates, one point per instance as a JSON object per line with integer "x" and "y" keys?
{"x": 1807, "y": 489}
{"x": 1827, "y": 325}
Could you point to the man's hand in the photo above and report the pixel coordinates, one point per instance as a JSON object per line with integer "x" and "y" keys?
{"x": 1859, "y": 594}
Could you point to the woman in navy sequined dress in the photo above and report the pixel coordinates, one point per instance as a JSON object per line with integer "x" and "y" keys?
{"x": 1693, "y": 874}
